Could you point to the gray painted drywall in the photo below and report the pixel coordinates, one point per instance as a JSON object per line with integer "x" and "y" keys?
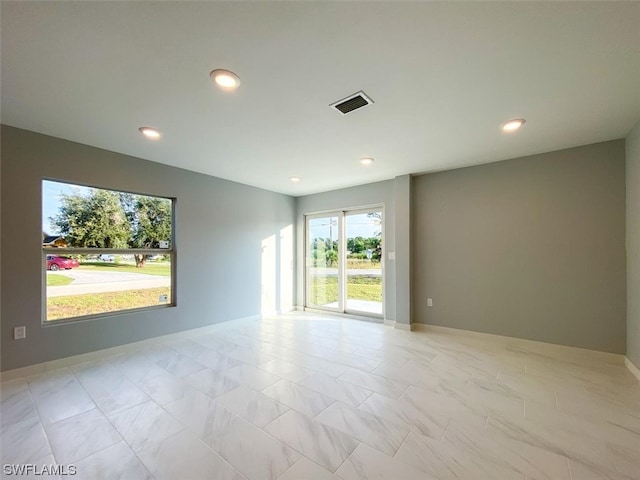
{"x": 530, "y": 248}
{"x": 220, "y": 227}
{"x": 403, "y": 249}
{"x": 379, "y": 193}
{"x": 633, "y": 245}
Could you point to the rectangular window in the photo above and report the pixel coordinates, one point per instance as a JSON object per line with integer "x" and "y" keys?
{"x": 105, "y": 251}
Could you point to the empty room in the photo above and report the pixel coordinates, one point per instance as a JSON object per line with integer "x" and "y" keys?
{"x": 309, "y": 240}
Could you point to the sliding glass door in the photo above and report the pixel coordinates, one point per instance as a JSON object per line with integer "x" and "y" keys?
{"x": 323, "y": 262}
{"x": 344, "y": 261}
{"x": 363, "y": 232}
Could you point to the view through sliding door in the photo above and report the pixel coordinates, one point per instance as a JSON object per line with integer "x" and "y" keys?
{"x": 344, "y": 261}
{"x": 363, "y": 272}
{"x": 323, "y": 262}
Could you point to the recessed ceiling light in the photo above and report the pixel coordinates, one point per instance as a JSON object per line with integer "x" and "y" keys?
{"x": 149, "y": 132}
{"x": 225, "y": 79}
{"x": 366, "y": 161}
{"x": 294, "y": 179}
{"x": 513, "y": 125}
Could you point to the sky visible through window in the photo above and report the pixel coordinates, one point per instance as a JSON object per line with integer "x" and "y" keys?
{"x": 51, "y": 194}
{"x": 359, "y": 226}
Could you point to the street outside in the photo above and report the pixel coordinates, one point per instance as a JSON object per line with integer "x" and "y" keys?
{"x": 366, "y": 272}
{"x": 104, "y": 281}
{"x": 97, "y": 281}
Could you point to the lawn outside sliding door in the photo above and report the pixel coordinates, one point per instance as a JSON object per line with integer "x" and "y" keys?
{"x": 344, "y": 261}
{"x": 324, "y": 267}
{"x": 364, "y": 259}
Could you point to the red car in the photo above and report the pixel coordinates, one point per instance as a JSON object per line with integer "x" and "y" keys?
{"x": 57, "y": 263}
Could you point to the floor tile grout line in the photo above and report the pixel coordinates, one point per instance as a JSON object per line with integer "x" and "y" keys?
{"x": 348, "y": 456}
{"x": 140, "y": 460}
{"x": 302, "y": 457}
{"x": 40, "y": 422}
{"x": 339, "y": 381}
{"x": 363, "y": 402}
{"x": 323, "y": 410}
{"x": 404, "y": 439}
{"x": 270, "y": 435}
{"x": 208, "y": 447}
{"x": 106, "y": 417}
{"x": 96, "y": 406}
{"x": 300, "y": 452}
{"x": 279, "y": 416}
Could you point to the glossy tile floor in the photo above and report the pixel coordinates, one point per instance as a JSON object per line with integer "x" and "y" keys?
{"x": 305, "y": 396}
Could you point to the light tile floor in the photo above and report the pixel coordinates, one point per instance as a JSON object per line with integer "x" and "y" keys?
{"x": 307, "y": 396}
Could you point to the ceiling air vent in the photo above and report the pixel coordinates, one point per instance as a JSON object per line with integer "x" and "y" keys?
{"x": 352, "y": 102}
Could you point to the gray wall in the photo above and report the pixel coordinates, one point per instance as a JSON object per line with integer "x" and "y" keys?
{"x": 220, "y": 229}
{"x": 633, "y": 245}
{"x": 403, "y": 201}
{"x": 379, "y": 193}
{"x": 530, "y": 248}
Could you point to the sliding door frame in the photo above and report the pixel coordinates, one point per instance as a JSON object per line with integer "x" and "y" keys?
{"x": 359, "y": 211}
{"x": 342, "y": 214}
{"x": 309, "y": 261}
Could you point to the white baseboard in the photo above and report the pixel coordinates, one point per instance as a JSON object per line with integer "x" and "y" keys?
{"x": 403, "y": 326}
{"x": 400, "y": 326}
{"x": 612, "y": 358}
{"x": 632, "y": 368}
{"x": 421, "y": 327}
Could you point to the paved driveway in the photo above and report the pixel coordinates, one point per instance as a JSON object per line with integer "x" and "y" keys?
{"x": 90, "y": 281}
{"x": 368, "y": 272}
{"x": 97, "y": 276}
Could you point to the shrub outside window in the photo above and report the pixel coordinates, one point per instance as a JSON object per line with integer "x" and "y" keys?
{"x": 105, "y": 251}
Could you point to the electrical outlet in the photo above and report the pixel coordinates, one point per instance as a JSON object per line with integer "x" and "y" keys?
{"x": 429, "y": 302}
{"x": 19, "y": 332}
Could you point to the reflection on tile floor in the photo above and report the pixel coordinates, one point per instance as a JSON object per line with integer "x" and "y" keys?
{"x": 307, "y": 396}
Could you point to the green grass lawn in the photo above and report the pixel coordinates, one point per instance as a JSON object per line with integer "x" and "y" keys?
{"x": 362, "y": 264}
{"x": 163, "y": 269}
{"x": 324, "y": 290}
{"x": 54, "y": 280}
{"x": 93, "y": 303}
{"x": 364, "y": 288}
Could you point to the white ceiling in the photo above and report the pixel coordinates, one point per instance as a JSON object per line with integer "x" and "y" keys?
{"x": 443, "y": 76}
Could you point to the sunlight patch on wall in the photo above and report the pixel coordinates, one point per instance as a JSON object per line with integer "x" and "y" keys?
{"x": 286, "y": 269}
{"x": 269, "y": 281}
